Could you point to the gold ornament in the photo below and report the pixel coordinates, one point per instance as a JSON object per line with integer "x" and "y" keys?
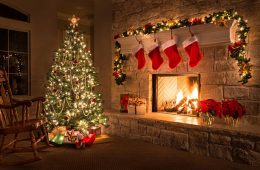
{"x": 116, "y": 57}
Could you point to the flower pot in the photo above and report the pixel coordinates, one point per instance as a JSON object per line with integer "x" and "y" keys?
{"x": 232, "y": 122}
{"x": 208, "y": 119}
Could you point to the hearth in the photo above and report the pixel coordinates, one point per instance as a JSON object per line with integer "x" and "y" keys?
{"x": 175, "y": 93}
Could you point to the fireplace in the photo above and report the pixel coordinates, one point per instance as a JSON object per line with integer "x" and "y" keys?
{"x": 175, "y": 93}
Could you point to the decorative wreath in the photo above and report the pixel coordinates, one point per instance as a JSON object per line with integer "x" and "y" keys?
{"x": 237, "y": 49}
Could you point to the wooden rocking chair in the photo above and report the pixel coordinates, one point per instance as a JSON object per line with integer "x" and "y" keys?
{"x": 16, "y": 117}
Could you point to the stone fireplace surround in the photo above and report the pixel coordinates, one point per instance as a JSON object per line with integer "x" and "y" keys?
{"x": 219, "y": 80}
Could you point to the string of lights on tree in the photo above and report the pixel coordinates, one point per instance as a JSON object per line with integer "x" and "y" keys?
{"x": 237, "y": 50}
{"x": 70, "y": 97}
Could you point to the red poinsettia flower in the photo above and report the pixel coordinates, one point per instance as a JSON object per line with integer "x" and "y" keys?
{"x": 124, "y": 101}
{"x": 211, "y": 106}
{"x": 116, "y": 36}
{"x": 232, "y": 46}
{"x": 233, "y": 108}
{"x": 195, "y": 21}
{"x": 148, "y": 25}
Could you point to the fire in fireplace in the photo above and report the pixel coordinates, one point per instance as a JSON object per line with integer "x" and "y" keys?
{"x": 176, "y": 93}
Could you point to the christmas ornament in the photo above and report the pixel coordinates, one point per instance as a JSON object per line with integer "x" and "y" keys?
{"x": 191, "y": 47}
{"x": 171, "y": 51}
{"x": 139, "y": 55}
{"x": 155, "y": 56}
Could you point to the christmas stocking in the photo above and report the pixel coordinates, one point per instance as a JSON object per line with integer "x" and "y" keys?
{"x": 170, "y": 49}
{"x": 155, "y": 56}
{"x": 139, "y": 55}
{"x": 191, "y": 47}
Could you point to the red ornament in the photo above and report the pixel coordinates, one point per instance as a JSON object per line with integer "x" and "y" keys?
{"x": 116, "y": 74}
{"x": 75, "y": 61}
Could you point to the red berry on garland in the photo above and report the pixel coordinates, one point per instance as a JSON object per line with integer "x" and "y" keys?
{"x": 116, "y": 74}
{"x": 75, "y": 61}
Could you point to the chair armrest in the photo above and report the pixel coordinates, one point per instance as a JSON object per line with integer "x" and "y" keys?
{"x": 34, "y": 99}
{"x": 13, "y": 105}
{"x": 42, "y": 99}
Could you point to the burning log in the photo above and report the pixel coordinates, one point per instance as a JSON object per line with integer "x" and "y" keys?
{"x": 177, "y": 107}
{"x": 192, "y": 103}
{"x": 182, "y": 102}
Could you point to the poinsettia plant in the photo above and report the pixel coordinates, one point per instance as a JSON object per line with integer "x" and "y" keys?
{"x": 124, "y": 101}
{"x": 232, "y": 108}
{"x": 211, "y": 107}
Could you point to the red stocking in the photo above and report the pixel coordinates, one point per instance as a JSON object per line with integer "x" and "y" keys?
{"x": 155, "y": 56}
{"x": 191, "y": 47}
{"x": 139, "y": 55}
{"x": 171, "y": 51}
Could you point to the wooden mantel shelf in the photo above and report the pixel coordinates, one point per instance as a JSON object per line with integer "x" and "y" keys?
{"x": 207, "y": 34}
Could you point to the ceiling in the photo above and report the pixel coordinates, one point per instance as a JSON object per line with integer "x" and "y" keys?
{"x": 84, "y": 9}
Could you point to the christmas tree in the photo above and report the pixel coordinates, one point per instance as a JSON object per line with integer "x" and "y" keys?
{"x": 70, "y": 99}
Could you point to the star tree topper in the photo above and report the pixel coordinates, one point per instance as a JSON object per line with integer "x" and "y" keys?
{"x": 74, "y": 21}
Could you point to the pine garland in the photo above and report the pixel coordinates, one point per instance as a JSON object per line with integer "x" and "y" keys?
{"x": 237, "y": 49}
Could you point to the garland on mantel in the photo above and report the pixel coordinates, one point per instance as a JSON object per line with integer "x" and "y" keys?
{"x": 119, "y": 58}
{"x": 237, "y": 49}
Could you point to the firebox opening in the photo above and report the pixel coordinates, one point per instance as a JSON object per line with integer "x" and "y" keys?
{"x": 175, "y": 93}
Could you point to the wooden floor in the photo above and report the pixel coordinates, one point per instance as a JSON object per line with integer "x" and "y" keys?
{"x": 123, "y": 154}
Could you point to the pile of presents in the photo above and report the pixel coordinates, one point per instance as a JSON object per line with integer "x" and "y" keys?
{"x": 62, "y": 135}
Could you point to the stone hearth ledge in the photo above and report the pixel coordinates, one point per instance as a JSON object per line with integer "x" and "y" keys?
{"x": 239, "y": 144}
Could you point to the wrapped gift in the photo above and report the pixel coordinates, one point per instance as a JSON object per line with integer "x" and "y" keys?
{"x": 95, "y": 130}
{"x": 58, "y": 139}
{"x": 141, "y": 109}
{"x": 71, "y": 136}
{"x": 131, "y": 109}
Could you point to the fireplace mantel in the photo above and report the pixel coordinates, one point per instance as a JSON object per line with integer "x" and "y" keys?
{"x": 207, "y": 34}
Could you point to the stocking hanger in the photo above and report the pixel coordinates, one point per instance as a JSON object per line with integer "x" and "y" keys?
{"x": 139, "y": 41}
{"x": 154, "y": 37}
{"x": 171, "y": 35}
{"x": 191, "y": 33}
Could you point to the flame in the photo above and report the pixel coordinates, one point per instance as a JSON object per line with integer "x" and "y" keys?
{"x": 179, "y": 97}
{"x": 195, "y": 93}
